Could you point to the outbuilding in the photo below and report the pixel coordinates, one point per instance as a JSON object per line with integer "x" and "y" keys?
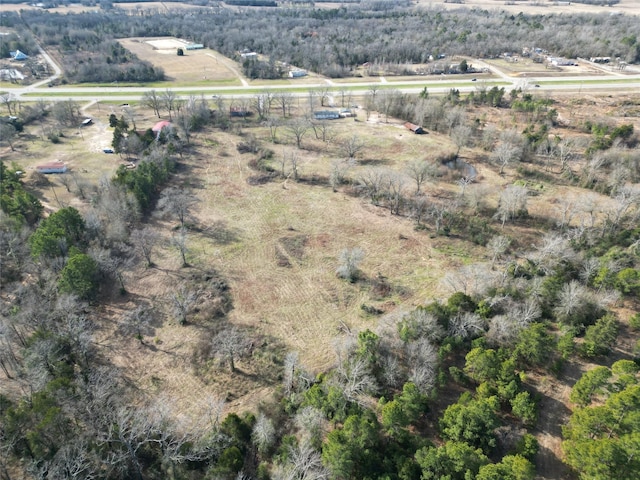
{"x": 414, "y": 128}
{"x": 52, "y": 167}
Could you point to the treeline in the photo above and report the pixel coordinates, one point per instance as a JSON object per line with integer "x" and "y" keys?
{"x": 251, "y": 3}
{"x": 332, "y": 40}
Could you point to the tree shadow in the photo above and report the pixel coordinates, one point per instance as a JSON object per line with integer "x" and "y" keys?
{"x": 219, "y": 232}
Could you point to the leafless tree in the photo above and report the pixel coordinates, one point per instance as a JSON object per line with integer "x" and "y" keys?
{"x": 74, "y": 461}
{"x": 273, "y": 123}
{"x": 423, "y": 364}
{"x": 565, "y": 150}
{"x": 311, "y": 423}
{"x": 504, "y": 154}
{"x": 9, "y": 101}
{"x": 372, "y": 182}
{"x": 8, "y": 134}
{"x": 322, "y": 130}
{"x": 262, "y": 102}
{"x": 263, "y": 434}
{"x": 67, "y": 113}
{"x": 131, "y": 429}
{"x": 454, "y": 117}
{"x": 284, "y": 101}
{"x": 152, "y": 100}
{"x": 183, "y": 298}
{"x": 461, "y": 136}
{"x": 394, "y": 192}
{"x": 180, "y": 241}
{"x": 137, "y": 321}
{"x": 169, "y": 99}
{"x": 497, "y": 246}
{"x": 625, "y": 206}
{"x": 466, "y": 325}
{"x": 177, "y": 202}
{"x": 229, "y": 345}
{"x": 513, "y": 203}
{"x": 350, "y": 259}
{"x": 420, "y": 208}
{"x": 424, "y": 325}
{"x": 354, "y": 377}
{"x": 339, "y": 170}
{"x": 297, "y": 128}
{"x": 553, "y": 250}
{"x": 145, "y": 240}
{"x": 303, "y": 463}
{"x": 420, "y": 172}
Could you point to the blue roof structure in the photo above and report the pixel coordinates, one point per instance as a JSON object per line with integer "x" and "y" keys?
{"x": 18, "y": 55}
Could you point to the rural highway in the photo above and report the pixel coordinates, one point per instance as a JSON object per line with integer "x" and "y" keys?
{"x": 612, "y": 83}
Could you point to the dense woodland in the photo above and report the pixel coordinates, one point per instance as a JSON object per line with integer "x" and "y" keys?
{"x": 378, "y": 413}
{"x": 328, "y": 41}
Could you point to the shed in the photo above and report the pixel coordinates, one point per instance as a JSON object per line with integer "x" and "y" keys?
{"x": 18, "y": 55}
{"x": 414, "y": 128}
{"x": 52, "y": 167}
{"x": 326, "y": 115}
{"x": 297, "y": 73}
{"x": 239, "y": 112}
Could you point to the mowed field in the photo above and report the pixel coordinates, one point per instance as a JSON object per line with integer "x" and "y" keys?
{"x": 202, "y": 66}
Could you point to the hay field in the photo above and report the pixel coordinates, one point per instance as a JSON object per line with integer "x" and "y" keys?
{"x": 202, "y": 67}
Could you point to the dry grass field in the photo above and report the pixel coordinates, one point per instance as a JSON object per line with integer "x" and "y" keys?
{"x": 204, "y": 67}
{"x": 277, "y": 245}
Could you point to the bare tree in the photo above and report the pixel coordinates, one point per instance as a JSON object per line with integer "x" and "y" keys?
{"x": 498, "y": 246}
{"x": 454, "y": 117}
{"x": 303, "y": 463}
{"x": 145, "y": 240}
{"x": 263, "y": 434}
{"x": 423, "y": 364}
{"x": 152, "y": 100}
{"x": 311, "y": 423}
{"x": 339, "y": 170}
{"x": 504, "y": 154}
{"x": 8, "y": 134}
{"x": 229, "y": 345}
{"x": 466, "y": 325}
{"x": 273, "y": 123}
{"x": 297, "y": 128}
{"x": 420, "y": 172}
{"x": 351, "y": 146}
{"x": 169, "y": 101}
{"x": 284, "y": 101}
{"x": 461, "y": 136}
{"x": 183, "y": 298}
{"x": 513, "y": 203}
{"x": 137, "y": 321}
{"x": 354, "y": 377}
{"x": 9, "y": 101}
{"x": 177, "y": 202}
{"x": 394, "y": 190}
{"x": 372, "y": 183}
{"x": 262, "y": 103}
{"x": 350, "y": 259}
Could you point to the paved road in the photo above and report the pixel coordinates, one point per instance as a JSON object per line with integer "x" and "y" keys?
{"x": 620, "y": 83}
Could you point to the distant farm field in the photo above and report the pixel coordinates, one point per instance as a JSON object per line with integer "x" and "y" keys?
{"x": 202, "y": 66}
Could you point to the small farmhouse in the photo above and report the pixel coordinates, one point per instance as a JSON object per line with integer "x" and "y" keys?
{"x": 326, "y": 115}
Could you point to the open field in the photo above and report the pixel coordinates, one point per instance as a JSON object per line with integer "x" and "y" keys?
{"x": 203, "y": 66}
